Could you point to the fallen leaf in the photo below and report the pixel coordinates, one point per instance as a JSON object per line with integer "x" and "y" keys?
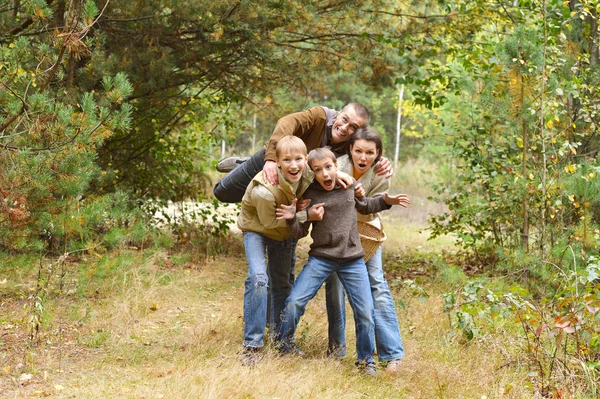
{"x": 59, "y": 387}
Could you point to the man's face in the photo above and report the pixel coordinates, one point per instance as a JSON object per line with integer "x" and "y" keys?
{"x": 345, "y": 125}
{"x": 325, "y": 172}
{"x": 292, "y": 162}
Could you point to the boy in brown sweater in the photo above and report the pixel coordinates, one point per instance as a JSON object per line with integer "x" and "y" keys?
{"x": 336, "y": 247}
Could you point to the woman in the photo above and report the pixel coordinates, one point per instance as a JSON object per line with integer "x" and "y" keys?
{"x": 364, "y": 151}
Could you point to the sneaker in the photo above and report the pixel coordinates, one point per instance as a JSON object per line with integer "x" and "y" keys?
{"x": 336, "y": 352}
{"x": 228, "y": 164}
{"x": 370, "y": 369}
{"x": 292, "y": 349}
{"x": 393, "y": 366}
{"x": 251, "y": 356}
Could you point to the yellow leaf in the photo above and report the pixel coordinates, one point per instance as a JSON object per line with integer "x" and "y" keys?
{"x": 12, "y": 45}
{"x": 550, "y": 124}
{"x": 59, "y": 387}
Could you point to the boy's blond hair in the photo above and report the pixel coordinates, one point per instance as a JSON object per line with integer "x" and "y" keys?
{"x": 291, "y": 143}
{"x": 320, "y": 153}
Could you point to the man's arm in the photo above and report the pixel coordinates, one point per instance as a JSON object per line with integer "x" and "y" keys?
{"x": 298, "y": 124}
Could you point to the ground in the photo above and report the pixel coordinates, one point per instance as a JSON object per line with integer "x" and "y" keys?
{"x": 148, "y": 323}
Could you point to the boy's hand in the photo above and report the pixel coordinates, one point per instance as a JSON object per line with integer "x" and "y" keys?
{"x": 286, "y": 211}
{"x": 359, "y": 190}
{"x": 270, "y": 172}
{"x": 384, "y": 168}
{"x": 302, "y": 204}
{"x": 400, "y": 199}
{"x": 316, "y": 212}
{"x": 344, "y": 179}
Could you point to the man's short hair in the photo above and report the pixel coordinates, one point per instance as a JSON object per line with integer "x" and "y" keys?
{"x": 290, "y": 143}
{"x": 360, "y": 110}
{"x": 320, "y": 153}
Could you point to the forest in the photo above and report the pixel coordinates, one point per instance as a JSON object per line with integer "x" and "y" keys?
{"x": 121, "y": 275}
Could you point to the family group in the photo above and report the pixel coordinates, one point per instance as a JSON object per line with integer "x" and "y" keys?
{"x": 321, "y": 171}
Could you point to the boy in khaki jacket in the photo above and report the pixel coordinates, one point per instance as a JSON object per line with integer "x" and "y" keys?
{"x": 270, "y": 248}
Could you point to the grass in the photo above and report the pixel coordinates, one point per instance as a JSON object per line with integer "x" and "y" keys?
{"x": 136, "y": 325}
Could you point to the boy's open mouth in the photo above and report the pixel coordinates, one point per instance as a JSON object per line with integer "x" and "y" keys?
{"x": 294, "y": 173}
{"x": 328, "y": 183}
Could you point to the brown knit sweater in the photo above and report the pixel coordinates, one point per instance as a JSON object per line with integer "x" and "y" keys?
{"x": 336, "y": 236}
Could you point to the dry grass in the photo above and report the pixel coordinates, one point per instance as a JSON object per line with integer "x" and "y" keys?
{"x": 148, "y": 330}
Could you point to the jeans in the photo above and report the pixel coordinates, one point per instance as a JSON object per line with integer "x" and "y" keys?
{"x": 232, "y": 187}
{"x": 269, "y": 282}
{"x": 353, "y": 275}
{"x": 387, "y": 331}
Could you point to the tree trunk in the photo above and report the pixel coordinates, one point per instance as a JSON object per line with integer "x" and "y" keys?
{"x": 525, "y": 231}
{"x": 398, "y": 125}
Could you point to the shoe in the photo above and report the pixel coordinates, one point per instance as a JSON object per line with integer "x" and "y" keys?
{"x": 370, "y": 369}
{"x": 251, "y": 356}
{"x": 336, "y": 352}
{"x": 292, "y": 349}
{"x": 228, "y": 164}
{"x": 393, "y": 366}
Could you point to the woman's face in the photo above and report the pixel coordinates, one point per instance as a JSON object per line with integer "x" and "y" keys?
{"x": 363, "y": 154}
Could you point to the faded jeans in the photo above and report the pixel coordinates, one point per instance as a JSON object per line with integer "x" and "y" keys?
{"x": 232, "y": 187}
{"x": 269, "y": 282}
{"x": 354, "y": 278}
{"x": 387, "y": 331}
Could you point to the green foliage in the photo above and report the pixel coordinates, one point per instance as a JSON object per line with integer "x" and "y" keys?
{"x": 559, "y": 334}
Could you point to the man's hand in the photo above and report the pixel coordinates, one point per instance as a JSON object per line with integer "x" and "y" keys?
{"x": 359, "y": 190}
{"x": 270, "y": 172}
{"x": 384, "y": 168}
{"x": 344, "y": 179}
{"x": 287, "y": 212}
{"x": 316, "y": 212}
{"x": 400, "y": 199}
{"x": 302, "y": 204}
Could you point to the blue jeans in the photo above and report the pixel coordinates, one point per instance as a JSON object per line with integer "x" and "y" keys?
{"x": 232, "y": 187}
{"x": 387, "y": 332}
{"x": 269, "y": 282}
{"x": 353, "y": 275}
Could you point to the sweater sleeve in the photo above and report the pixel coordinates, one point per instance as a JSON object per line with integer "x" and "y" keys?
{"x": 366, "y": 205}
{"x": 297, "y": 228}
{"x": 298, "y": 124}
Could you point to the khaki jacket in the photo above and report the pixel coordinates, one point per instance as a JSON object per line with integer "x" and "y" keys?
{"x": 373, "y": 184}
{"x": 261, "y": 199}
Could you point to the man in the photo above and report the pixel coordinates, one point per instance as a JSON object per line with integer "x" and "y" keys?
{"x": 317, "y": 127}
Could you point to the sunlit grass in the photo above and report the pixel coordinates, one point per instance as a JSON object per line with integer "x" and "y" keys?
{"x": 153, "y": 331}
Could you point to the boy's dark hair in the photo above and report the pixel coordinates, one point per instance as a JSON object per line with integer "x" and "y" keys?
{"x": 361, "y": 111}
{"x": 367, "y": 134}
{"x": 320, "y": 153}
